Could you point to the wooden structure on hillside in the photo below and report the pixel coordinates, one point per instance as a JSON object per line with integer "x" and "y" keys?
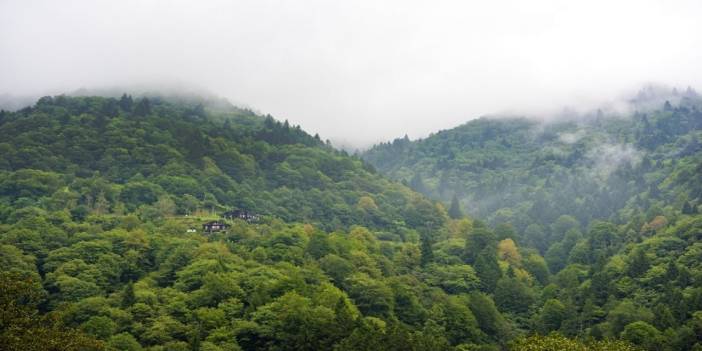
{"x": 214, "y": 226}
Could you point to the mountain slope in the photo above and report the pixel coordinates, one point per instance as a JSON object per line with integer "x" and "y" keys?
{"x": 612, "y": 201}
{"x": 135, "y": 155}
{"x": 102, "y": 201}
{"x": 99, "y": 198}
{"x": 526, "y": 172}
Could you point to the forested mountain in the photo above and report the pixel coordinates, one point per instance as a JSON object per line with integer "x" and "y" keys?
{"x": 153, "y": 158}
{"x": 610, "y": 199}
{"x": 586, "y": 230}
{"x": 525, "y": 172}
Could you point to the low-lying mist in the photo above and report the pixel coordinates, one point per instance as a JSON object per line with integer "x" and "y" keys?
{"x": 359, "y": 72}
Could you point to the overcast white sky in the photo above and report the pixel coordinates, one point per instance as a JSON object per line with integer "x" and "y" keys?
{"x": 358, "y": 71}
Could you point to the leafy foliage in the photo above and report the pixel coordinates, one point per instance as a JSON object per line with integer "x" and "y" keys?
{"x": 102, "y": 199}
{"x": 23, "y": 328}
{"x": 608, "y": 200}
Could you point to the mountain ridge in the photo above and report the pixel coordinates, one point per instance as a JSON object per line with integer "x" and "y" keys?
{"x": 592, "y": 232}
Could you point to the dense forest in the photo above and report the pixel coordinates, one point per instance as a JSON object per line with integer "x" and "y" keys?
{"x": 501, "y": 234}
{"x": 610, "y": 200}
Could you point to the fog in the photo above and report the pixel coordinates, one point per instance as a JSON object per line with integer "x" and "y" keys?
{"x": 358, "y": 72}
{"x": 608, "y": 158}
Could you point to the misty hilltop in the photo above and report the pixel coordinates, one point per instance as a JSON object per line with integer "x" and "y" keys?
{"x": 526, "y": 171}
{"x": 191, "y": 150}
{"x": 381, "y": 68}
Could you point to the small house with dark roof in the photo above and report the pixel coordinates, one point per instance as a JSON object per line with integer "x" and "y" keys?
{"x": 214, "y": 226}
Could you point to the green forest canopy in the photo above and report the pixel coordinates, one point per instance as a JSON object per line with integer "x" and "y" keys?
{"x": 97, "y": 196}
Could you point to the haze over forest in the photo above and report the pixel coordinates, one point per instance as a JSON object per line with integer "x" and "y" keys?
{"x": 350, "y": 176}
{"x": 359, "y": 72}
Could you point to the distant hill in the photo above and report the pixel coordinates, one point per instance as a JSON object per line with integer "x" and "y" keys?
{"x": 521, "y": 171}
{"x": 201, "y": 155}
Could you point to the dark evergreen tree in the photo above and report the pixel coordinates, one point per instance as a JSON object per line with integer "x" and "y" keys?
{"x": 110, "y": 108}
{"x": 128, "y": 297}
{"x": 417, "y": 184}
{"x": 126, "y": 103}
{"x": 143, "y": 107}
{"x": 667, "y": 106}
{"x": 318, "y": 245}
{"x": 488, "y": 270}
{"x": 455, "y": 208}
{"x": 687, "y": 208}
{"x": 480, "y": 239}
{"x": 427, "y": 251}
{"x": 638, "y": 263}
